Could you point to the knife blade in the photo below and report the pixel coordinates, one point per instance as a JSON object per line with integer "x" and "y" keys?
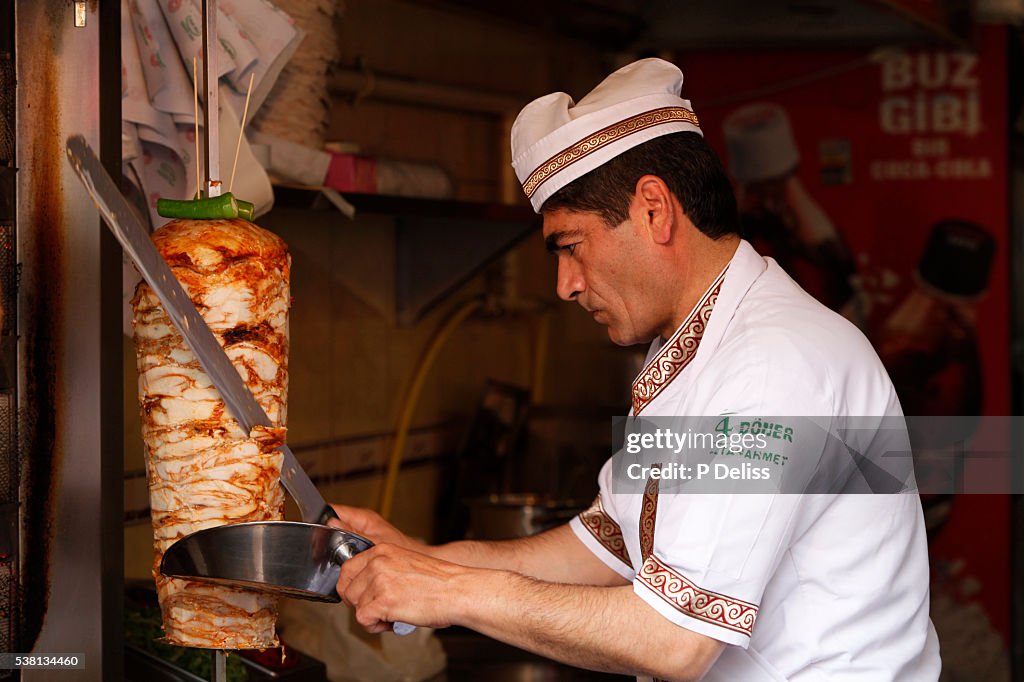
{"x": 135, "y": 240}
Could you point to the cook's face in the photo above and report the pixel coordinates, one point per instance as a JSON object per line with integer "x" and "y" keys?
{"x": 602, "y": 269}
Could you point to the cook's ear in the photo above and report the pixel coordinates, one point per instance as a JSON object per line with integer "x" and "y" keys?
{"x": 652, "y": 205}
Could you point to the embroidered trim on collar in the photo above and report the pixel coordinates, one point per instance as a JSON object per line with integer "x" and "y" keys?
{"x": 686, "y": 597}
{"x": 605, "y": 530}
{"x": 603, "y": 138}
{"x": 677, "y": 352}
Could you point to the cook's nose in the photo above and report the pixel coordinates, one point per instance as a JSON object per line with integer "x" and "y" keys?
{"x": 570, "y": 280}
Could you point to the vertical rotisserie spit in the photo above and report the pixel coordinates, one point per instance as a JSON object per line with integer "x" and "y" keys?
{"x": 203, "y": 470}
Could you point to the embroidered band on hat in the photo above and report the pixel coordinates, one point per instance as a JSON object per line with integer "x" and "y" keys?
{"x": 556, "y": 140}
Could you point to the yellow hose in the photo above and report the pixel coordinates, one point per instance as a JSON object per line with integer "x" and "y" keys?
{"x": 440, "y": 337}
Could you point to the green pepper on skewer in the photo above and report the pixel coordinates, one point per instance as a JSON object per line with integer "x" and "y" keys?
{"x": 224, "y": 207}
{"x": 246, "y": 210}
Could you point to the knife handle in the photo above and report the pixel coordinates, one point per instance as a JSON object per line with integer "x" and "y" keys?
{"x": 345, "y": 551}
{"x": 326, "y": 514}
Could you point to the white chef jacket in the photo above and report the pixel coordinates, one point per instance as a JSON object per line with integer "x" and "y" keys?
{"x": 802, "y": 587}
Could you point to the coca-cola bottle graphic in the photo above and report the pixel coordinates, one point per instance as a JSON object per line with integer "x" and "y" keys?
{"x": 778, "y": 216}
{"x": 929, "y": 343}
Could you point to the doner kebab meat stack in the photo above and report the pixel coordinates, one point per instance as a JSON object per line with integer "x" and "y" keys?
{"x": 203, "y": 470}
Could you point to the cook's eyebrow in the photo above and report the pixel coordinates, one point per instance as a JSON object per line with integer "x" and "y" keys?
{"x": 551, "y": 242}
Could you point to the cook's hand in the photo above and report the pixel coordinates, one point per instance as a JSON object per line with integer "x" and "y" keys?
{"x": 387, "y": 584}
{"x": 372, "y": 526}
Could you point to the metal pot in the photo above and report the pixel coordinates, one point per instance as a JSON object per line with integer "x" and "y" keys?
{"x": 499, "y": 517}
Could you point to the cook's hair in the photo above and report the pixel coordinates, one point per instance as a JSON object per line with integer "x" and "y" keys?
{"x": 686, "y": 163}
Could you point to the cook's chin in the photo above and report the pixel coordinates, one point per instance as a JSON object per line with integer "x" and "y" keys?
{"x": 614, "y": 333}
{"x": 616, "y": 337}
{"x": 619, "y": 339}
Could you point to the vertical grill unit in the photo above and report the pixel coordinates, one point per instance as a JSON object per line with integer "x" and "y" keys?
{"x": 10, "y": 611}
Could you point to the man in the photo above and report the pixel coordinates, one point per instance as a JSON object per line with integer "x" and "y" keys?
{"x": 642, "y": 219}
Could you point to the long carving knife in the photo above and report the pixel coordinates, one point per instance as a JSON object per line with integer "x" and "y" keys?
{"x": 135, "y": 240}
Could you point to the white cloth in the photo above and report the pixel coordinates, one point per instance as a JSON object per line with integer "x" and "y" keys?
{"x": 556, "y": 140}
{"x": 159, "y": 39}
{"x": 801, "y": 587}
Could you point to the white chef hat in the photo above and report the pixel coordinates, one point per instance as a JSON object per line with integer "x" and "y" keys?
{"x": 555, "y": 141}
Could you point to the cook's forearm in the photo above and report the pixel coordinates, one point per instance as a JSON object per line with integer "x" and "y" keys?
{"x": 555, "y": 556}
{"x": 509, "y": 555}
{"x": 600, "y": 628}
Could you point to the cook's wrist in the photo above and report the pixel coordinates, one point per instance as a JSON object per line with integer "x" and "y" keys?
{"x": 416, "y": 545}
{"x": 432, "y": 551}
{"x": 476, "y": 595}
{"x": 446, "y": 552}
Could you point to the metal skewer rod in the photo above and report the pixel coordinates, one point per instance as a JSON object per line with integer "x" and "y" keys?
{"x": 211, "y": 111}
{"x": 220, "y": 666}
{"x": 211, "y": 121}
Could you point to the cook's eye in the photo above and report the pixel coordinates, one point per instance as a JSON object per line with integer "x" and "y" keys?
{"x": 570, "y": 248}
